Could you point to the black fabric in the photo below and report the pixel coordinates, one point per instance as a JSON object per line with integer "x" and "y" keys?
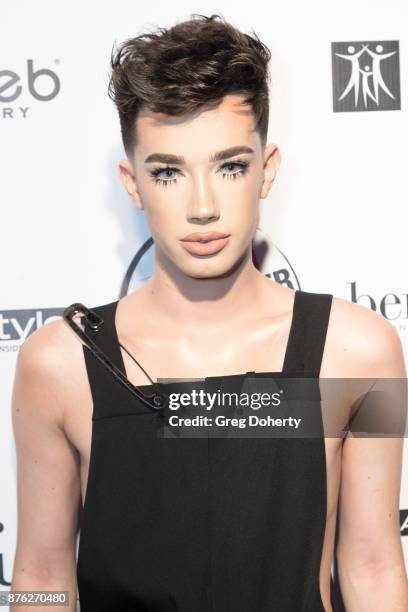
{"x": 308, "y": 332}
{"x": 202, "y": 524}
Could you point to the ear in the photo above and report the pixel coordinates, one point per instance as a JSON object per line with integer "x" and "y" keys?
{"x": 127, "y": 176}
{"x": 272, "y": 160}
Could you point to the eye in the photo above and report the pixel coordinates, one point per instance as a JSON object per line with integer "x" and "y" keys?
{"x": 164, "y": 175}
{"x": 234, "y": 169}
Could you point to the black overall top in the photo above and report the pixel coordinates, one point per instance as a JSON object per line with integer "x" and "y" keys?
{"x": 202, "y": 525}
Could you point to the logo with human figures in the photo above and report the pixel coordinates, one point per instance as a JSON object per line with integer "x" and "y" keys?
{"x": 366, "y": 76}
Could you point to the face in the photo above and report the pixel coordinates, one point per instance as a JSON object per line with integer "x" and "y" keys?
{"x": 202, "y": 172}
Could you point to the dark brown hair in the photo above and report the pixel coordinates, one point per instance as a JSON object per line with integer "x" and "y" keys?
{"x": 181, "y": 69}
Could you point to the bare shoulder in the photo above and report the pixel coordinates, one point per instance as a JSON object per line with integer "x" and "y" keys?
{"x": 362, "y": 343}
{"x": 50, "y": 372}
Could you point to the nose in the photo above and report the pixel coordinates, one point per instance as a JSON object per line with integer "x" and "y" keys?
{"x": 203, "y": 207}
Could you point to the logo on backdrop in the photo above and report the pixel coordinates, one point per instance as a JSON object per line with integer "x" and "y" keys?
{"x": 366, "y": 76}
{"x": 3, "y": 581}
{"x": 17, "y": 325}
{"x": 266, "y": 257}
{"x": 392, "y": 306}
{"x": 404, "y": 522}
{"x": 18, "y": 89}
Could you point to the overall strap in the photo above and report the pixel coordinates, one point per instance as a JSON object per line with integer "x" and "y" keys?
{"x": 101, "y": 382}
{"x": 307, "y": 335}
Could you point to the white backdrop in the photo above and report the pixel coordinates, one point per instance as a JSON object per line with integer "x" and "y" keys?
{"x": 336, "y": 215}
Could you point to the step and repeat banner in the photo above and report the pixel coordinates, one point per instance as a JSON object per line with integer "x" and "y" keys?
{"x": 335, "y": 220}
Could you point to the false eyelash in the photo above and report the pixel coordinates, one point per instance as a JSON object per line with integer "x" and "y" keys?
{"x": 234, "y": 175}
{"x": 154, "y": 175}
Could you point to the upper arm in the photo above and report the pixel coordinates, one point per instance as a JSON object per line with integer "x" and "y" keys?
{"x": 369, "y": 531}
{"x": 48, "y": 485}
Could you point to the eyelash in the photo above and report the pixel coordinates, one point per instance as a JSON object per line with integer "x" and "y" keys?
{"x": 244, "y": 165}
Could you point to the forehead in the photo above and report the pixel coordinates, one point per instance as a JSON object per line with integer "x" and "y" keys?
{"x": 213, "y": 127}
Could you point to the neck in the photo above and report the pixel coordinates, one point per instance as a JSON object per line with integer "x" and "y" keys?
{"x": 209, "y": 301}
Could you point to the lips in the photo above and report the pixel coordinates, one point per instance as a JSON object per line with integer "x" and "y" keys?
{"x": 209, "y": 243}
{"x": 198, "y": 236}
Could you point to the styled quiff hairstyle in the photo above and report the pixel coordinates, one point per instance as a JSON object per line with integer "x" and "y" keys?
{"x": 193, "y": 64}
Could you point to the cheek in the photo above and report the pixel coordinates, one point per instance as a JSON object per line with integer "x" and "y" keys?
{"x": 160, "y": 203}
{"x": 245, "y": 190}
{"x": 162, "y": 221}
{"x": 243, "y": 201}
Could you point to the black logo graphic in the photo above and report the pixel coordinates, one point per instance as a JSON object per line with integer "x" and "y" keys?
{"x": 404, "y": 522}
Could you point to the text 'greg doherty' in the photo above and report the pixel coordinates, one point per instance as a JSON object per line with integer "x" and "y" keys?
{"x": 202, "y": 398}
{"x": 242, "y": 423}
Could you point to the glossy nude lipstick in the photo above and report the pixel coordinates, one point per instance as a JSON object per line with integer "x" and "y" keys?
{"x": 208, "y": 243}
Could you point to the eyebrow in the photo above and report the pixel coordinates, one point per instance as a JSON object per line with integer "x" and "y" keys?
{"x": 168, "y": 158}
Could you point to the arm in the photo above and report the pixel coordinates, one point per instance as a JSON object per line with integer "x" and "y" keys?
{"x": 370, "y": 558}
{"x": 48, "y": 485}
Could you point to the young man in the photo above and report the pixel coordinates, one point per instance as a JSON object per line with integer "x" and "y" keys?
{"x": 194, "y": 525}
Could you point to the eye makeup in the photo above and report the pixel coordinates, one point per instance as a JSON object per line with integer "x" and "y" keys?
{"x": 241, "y": 168}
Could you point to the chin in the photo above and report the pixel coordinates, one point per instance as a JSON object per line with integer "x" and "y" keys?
{"x": 207, "y": 268}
